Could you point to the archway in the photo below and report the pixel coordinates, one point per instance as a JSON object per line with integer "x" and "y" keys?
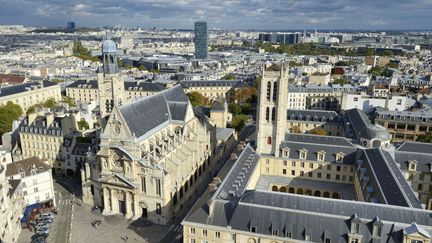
{"x": 317, "y": 194}
{"x": 326, "y": 194}
{"x": 299, "y": 191}
{"x": 283, "y": 189}
{"x": 291, "y": 190}
{"x": 274, "y": 188}
{"x": 308, "y": 192}
{"x": 335, "y": 195}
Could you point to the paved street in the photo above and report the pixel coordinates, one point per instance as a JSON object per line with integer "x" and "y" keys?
{"x": 59, "y": 229}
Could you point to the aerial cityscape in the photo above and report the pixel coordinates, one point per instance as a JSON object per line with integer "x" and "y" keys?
{"x": 215, "y": 122}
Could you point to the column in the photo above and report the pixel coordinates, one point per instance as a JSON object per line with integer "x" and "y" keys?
{"x": 106, "y": 196}
{"x": 114, "y": 202}
{"x": 128, "y": 202}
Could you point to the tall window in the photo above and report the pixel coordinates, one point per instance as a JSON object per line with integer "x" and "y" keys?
{"x": 268, "y": 114}
{"x": 268, "y": 90}
{"x": 275, "y": 91}
{"x": 158, "y": 187}
{"x": 158, "y": 208}
{"x": 143, "y": 184}
{"x": 269, "y": 140}
{"x": 273, "y": 114}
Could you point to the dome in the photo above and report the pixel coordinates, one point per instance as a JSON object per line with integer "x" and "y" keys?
{"x": 109, "y": 46}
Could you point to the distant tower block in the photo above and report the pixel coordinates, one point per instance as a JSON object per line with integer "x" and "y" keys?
{"x": 201, "y": 40}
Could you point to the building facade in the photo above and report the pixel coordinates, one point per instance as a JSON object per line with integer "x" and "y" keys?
{"x": 201, "y": 40}
{"x": 154, "y": 154}
{"x": 29, "y": 94}
{"x": 36, "y": 180}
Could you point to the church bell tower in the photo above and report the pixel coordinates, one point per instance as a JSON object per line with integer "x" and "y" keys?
{"x": 110, "y": 81}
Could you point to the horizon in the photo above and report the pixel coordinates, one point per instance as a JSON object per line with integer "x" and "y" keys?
{"x": 267, "y": 15}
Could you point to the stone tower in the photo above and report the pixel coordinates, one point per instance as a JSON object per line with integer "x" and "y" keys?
{"x": 110, "y": 81}
{"x": 272, "y": 108}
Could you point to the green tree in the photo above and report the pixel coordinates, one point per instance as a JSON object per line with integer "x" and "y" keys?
{"x": 68, "y": 100}
{"x": 239, "y": 121}
{"x": 83, "y": 125}
{"x": 235, "y": 109}
{"x": 341, "y": 81}
{"x": 229, "y": 77}
{"x": 50, "y": 103}
{"x": 8, "y": 113}
{"x": 197, "y": 99}
{"x": 387, "y": 53}
{"x": 295, "y": 129}
{"x": 425, "y": 138}
{"x": 56, "y": 80}
{"x": 318, "y": 131}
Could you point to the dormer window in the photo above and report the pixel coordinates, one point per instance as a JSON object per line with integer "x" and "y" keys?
{"x": 355, "y": 224}
{"x": 339, "y": 157}
{"x": 377, "y": 225}
{"x": 321, "y": 155}
{"x": 303, "y": 154}
{"x": 285, "y": 152}
{"x": 412, "y": 165}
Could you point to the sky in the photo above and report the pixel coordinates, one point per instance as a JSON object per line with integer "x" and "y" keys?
{"x": 223, "y": 14}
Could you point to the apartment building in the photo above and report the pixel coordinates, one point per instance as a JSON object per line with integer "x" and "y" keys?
{"x": 29, "y": 94}
{"x": 36, "y": 180}
{"x": 405, "y": 125}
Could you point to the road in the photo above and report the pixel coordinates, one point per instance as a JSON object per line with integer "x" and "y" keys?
{"x": 61, "y": 230}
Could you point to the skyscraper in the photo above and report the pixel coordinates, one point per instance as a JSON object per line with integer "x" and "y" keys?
{"x": 71, "y": 25}
{"x": 201, "y": 47}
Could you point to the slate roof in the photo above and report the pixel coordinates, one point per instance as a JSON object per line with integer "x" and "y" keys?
{"x": 394, "y": 187}
{"x": 224, "y": 133}
{"x": 20, "y": 88}
{"x": 210, "y": 83}
{"x": 363, "y": 128}
{"x": 85, "y": 84}
{"x": 217, "y": 106}
{"x": 298, "y": 215}
{"x": 421, "y": 152}
{"x": 273, "y": 67}
{"x": 147, "y": 113}
{"x": 25, "y": 167}
{"x": 128, "y": 86}
{"x": 13, "y": 186}
{"x": 418, "y": 117}
{"x": 313, "y": 115}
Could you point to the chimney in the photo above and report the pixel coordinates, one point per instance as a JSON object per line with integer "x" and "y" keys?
{"x": 210, "y": 206}
{"x": 31, "y": 118}
{"x": 233, "y": 156}
{"x": 214, "y": 184}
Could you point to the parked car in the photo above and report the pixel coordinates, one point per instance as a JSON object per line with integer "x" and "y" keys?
{"x": 47, "y": 215}
{"x": 44, "y": 220}
{"x": 39, "y": 235}
{"x": 44, "y": 231}
{"x": 42, "y": 225}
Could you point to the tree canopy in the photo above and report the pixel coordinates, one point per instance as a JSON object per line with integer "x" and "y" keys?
{"x": 425, "y": 138}
{"x": 8, "y": 113}
{"x": 239, "y": 121}
{"x": 197, "y": 99}
{"x": 319, "y": 131}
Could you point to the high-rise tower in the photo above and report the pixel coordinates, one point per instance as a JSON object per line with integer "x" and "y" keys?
{"x": 272, "y": 108}
{"x": 201, "y": 45}
{"x": 110, "y": 81}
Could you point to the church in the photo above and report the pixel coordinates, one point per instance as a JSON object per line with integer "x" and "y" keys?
{"x": 154, "y": 151}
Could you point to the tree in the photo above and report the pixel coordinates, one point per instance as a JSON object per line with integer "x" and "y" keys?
{"x": 239, "y": 121}
{"x": 294, "y": 64}
{"x": 68, "y": 100}
{"x": 197, "y": 99}
{"x": 245, "y": 94}
{"x": 8, "y": 113}
{"x": 229, "y": 77}
{"x": 235, "y": 109}
{"x": 340, "y": 81}
{"x": 50, "y": 103}
{"x": 257, "y": 82}
{"x": 56, "y": 80}
{"x": 318, "y": 131}
{"x": 295, "y": 129}
{"x": 82, "y": 124}
{"x": 425, "y": 138}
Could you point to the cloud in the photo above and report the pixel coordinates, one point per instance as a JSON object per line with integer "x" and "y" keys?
{"x": 225, "y": 14}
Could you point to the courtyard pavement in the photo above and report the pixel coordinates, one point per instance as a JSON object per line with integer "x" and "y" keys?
{"x": 114, "y": 228}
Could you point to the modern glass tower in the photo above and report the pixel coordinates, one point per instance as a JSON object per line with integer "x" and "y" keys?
{"x": 201, "y": 47}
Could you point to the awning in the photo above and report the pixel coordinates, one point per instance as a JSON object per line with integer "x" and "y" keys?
{"x": 28, "y": 211}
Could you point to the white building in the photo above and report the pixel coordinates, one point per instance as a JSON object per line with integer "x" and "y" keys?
{"x": 36, "y": 180}
{"x": 367, "y": 103}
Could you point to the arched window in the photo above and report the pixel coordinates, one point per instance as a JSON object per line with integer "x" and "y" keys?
{"x": 268, "y": 90}
{"x": 273, "y": 114}
{"x": 275, "y": 91}
{"x": 269, "y": 140}
{"x": 268, "y": 114}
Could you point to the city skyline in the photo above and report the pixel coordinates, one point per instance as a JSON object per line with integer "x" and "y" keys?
{"x": 253, "y": 15}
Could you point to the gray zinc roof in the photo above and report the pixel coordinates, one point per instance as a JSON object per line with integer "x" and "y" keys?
{"x": 149, "y": 112}
{"x": 15, "y": 89}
